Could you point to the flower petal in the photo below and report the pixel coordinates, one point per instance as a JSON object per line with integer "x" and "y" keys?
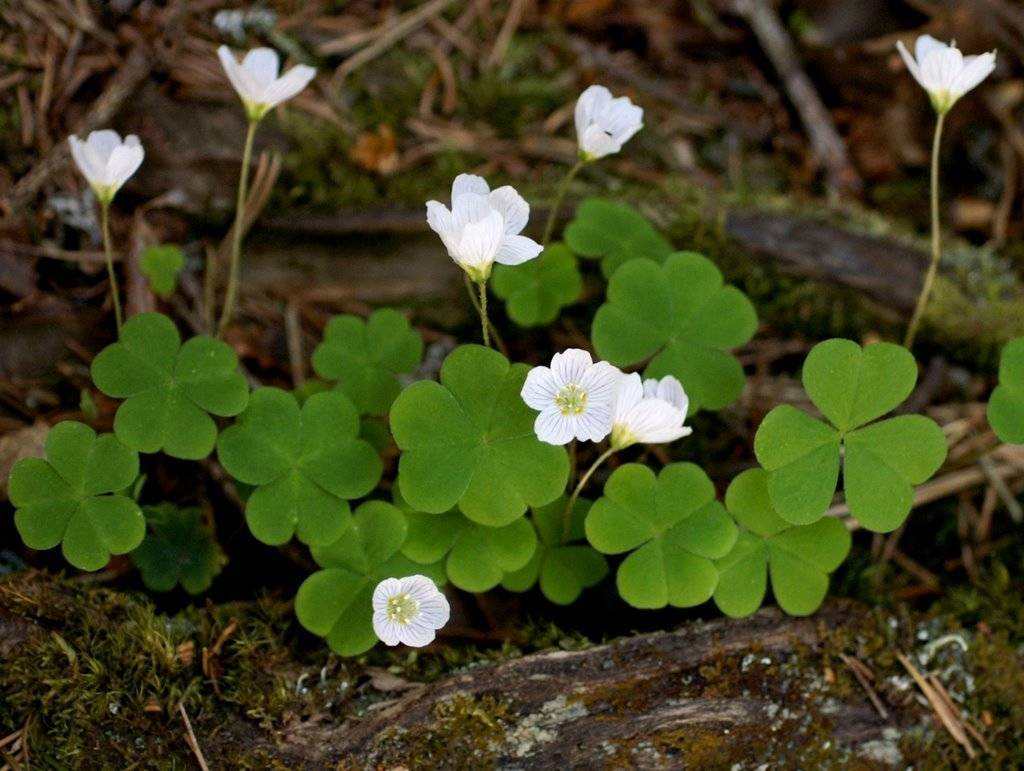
{"x": 416, "y": 635}
{"x": 288, "y": 85}
{"x": 124, "y": 162}
{"x": 940, "y": 69}
{"x": 479, "y": 241}
{"x": 88, "y": 163}
{"x": 540, "y": 388}
{"x": 553, "y": 427}
{"x": 387, "y": 630}
{"x": 571, "y": 365}
{"x": 600, "y": 381}
{"x": 469, "y": 183}
{"x": 103, "y": 143}
{"x": 598, "y": 143}
{"x": 587, "y": 105}
{"x": 386, "y": 589}
{"x": 912, "y": 65}
{"x": 925, "y": 45}
{"x": 594, "y": 423}
{"x": 515, "y": 250}
{"x": 263, "y": 64}
{"x": 241, "y": 79}
{"x": 470, "y": 207}
{"x": 512, "y": 206}
{"x": 628, "y": 392}
{"x": 976, "y": 69}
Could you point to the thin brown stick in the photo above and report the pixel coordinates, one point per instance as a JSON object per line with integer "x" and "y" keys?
{"x": 507, "y": 32}
{"x": 947, "y": 717}
{"x": 190, "y": 739}
{"x": 864, "y": 677}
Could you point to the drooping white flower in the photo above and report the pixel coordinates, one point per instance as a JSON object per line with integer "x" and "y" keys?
{"x": 408, "y": 610}
{"x": 652, "y": 412}
{"x": 603, "y": 123}
{"x": 483, "y": 226}
{"x": 574, "y": 396}
{"x": 256, "y": 79}
{"x": 944, "y": 72}
{"x": 106, "y": 160}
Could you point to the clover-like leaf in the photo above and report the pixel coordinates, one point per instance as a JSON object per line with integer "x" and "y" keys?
{"x": 1006, "y": 406}
{"x": 537, "y": 290}
{"x": 178, "y": 549}
{"x": 672, "y": 525}
{"x": 564, "y": 567}
{"x": 161, "y": 265}
{"x": 364, "y": 357}
{"x": 882, "y": 461}
{"x": 73, "y": 497}
{"x": 170, "y": 389}
{"x": 306, "y": 462}
{"x": 337, "y": 602}
{"x": 798, "y": 558}
{"x": 615, "y": 234}
{"x": 469, "y": 440}
{"x": 683, "y": 315}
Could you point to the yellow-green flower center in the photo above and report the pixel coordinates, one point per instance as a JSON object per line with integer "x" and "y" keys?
{"x": 571, "y": 399}
{"x": 401, "y": 608}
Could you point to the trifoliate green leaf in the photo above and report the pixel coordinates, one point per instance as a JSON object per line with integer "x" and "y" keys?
{"x": 169, "y": 388}
{"x": 179, "y": 548}
{"x": 161, "y": 265}
{"x": 364, "y": 357}
{"x": 72, "y": 498}
{"x": 469, "y": 440}
{"x": 673, "y": 527}
{"x": 1006, "y": 407}
{"x": 615, "y": 234}
{"x": 565, "y": 568}
{"x": 337, "y": 602}
{"x": 683, "y": 315}
{"x": 882, "y": 461}
{"x": 537, "y": 290}
{"x": 306, "y": 463}
{"x": 798, "y": 558}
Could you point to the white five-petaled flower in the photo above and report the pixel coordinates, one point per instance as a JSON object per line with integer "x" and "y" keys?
{"x": 483, "y": 226}
{"x": 603, "y": 123}
{"x": 408, "y": 610}
{"x": 106, "y": 161}
{"x": 256, "y": 79}
{"x": 944, "y": 72}
{"x": 651, "y": 412}
{"x": 574, "y": 396}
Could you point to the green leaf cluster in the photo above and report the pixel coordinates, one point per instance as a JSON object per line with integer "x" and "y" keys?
{"x": 684, "y": 316}
{"x": 365, "y": 357}
{"x": 798, "y": 558}
{"x": 673, "y": 528}
{"x": 881, "y": 460}
{"x": 563, "y": 565}
{"x": 178, "y": 549}
{"x": 537, "y": 290}
{"x": 73, "y": 497}
{"x": 170, "y": 390}
{"x": 469, "y": 441}
{"x": 615, "y": 234}
{"x": 337, "y": 602}
{"x": 161, "y": 265}
{"x": 1006, "y": 406}
{"x": 305, "y": 462}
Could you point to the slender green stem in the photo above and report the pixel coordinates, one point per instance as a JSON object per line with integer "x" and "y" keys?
{"x": 929, "y": 278}
{"x": 236, "y": 240}
{"x": 210, "y": 290}
{"x": 471, "y": 290}
{"x": 115, "y": 293}
{"x": 485, "y": 323}
{"x": 567, "y": 516}
{"x": 559, "y": 197}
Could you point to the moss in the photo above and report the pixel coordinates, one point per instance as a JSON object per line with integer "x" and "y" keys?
{"x": 464, "y": 732}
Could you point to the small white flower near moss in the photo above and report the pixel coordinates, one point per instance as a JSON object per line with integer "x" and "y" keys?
{"x": 409, "y": 611}
{"x": 107, "y": 161}
{"x": 944, "y": 72}
{"x": 574, "y": 396}
{"x": 256, "y": 79}
{"x": 483, "y": 226}
{"x": 651, "y": 412}
{"x": 605, "y": 123}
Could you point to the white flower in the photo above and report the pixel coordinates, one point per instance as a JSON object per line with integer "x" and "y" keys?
{"x": 649, "y": 413}
{"x": 256, "y": 80}
{"x": 106, "y": 161}
{"x": 483, "y": 226}
{"x": 574, "y": 397}
{"x": 604, "y": 124}
{"x": 944, "y": 72}
{"x": 408, "y": 610}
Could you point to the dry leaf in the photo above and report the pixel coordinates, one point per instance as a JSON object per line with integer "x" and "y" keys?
{"x": 376, "y": 151}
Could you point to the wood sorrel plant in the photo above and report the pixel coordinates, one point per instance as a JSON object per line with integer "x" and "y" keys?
{"x": 486, "y": 493}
